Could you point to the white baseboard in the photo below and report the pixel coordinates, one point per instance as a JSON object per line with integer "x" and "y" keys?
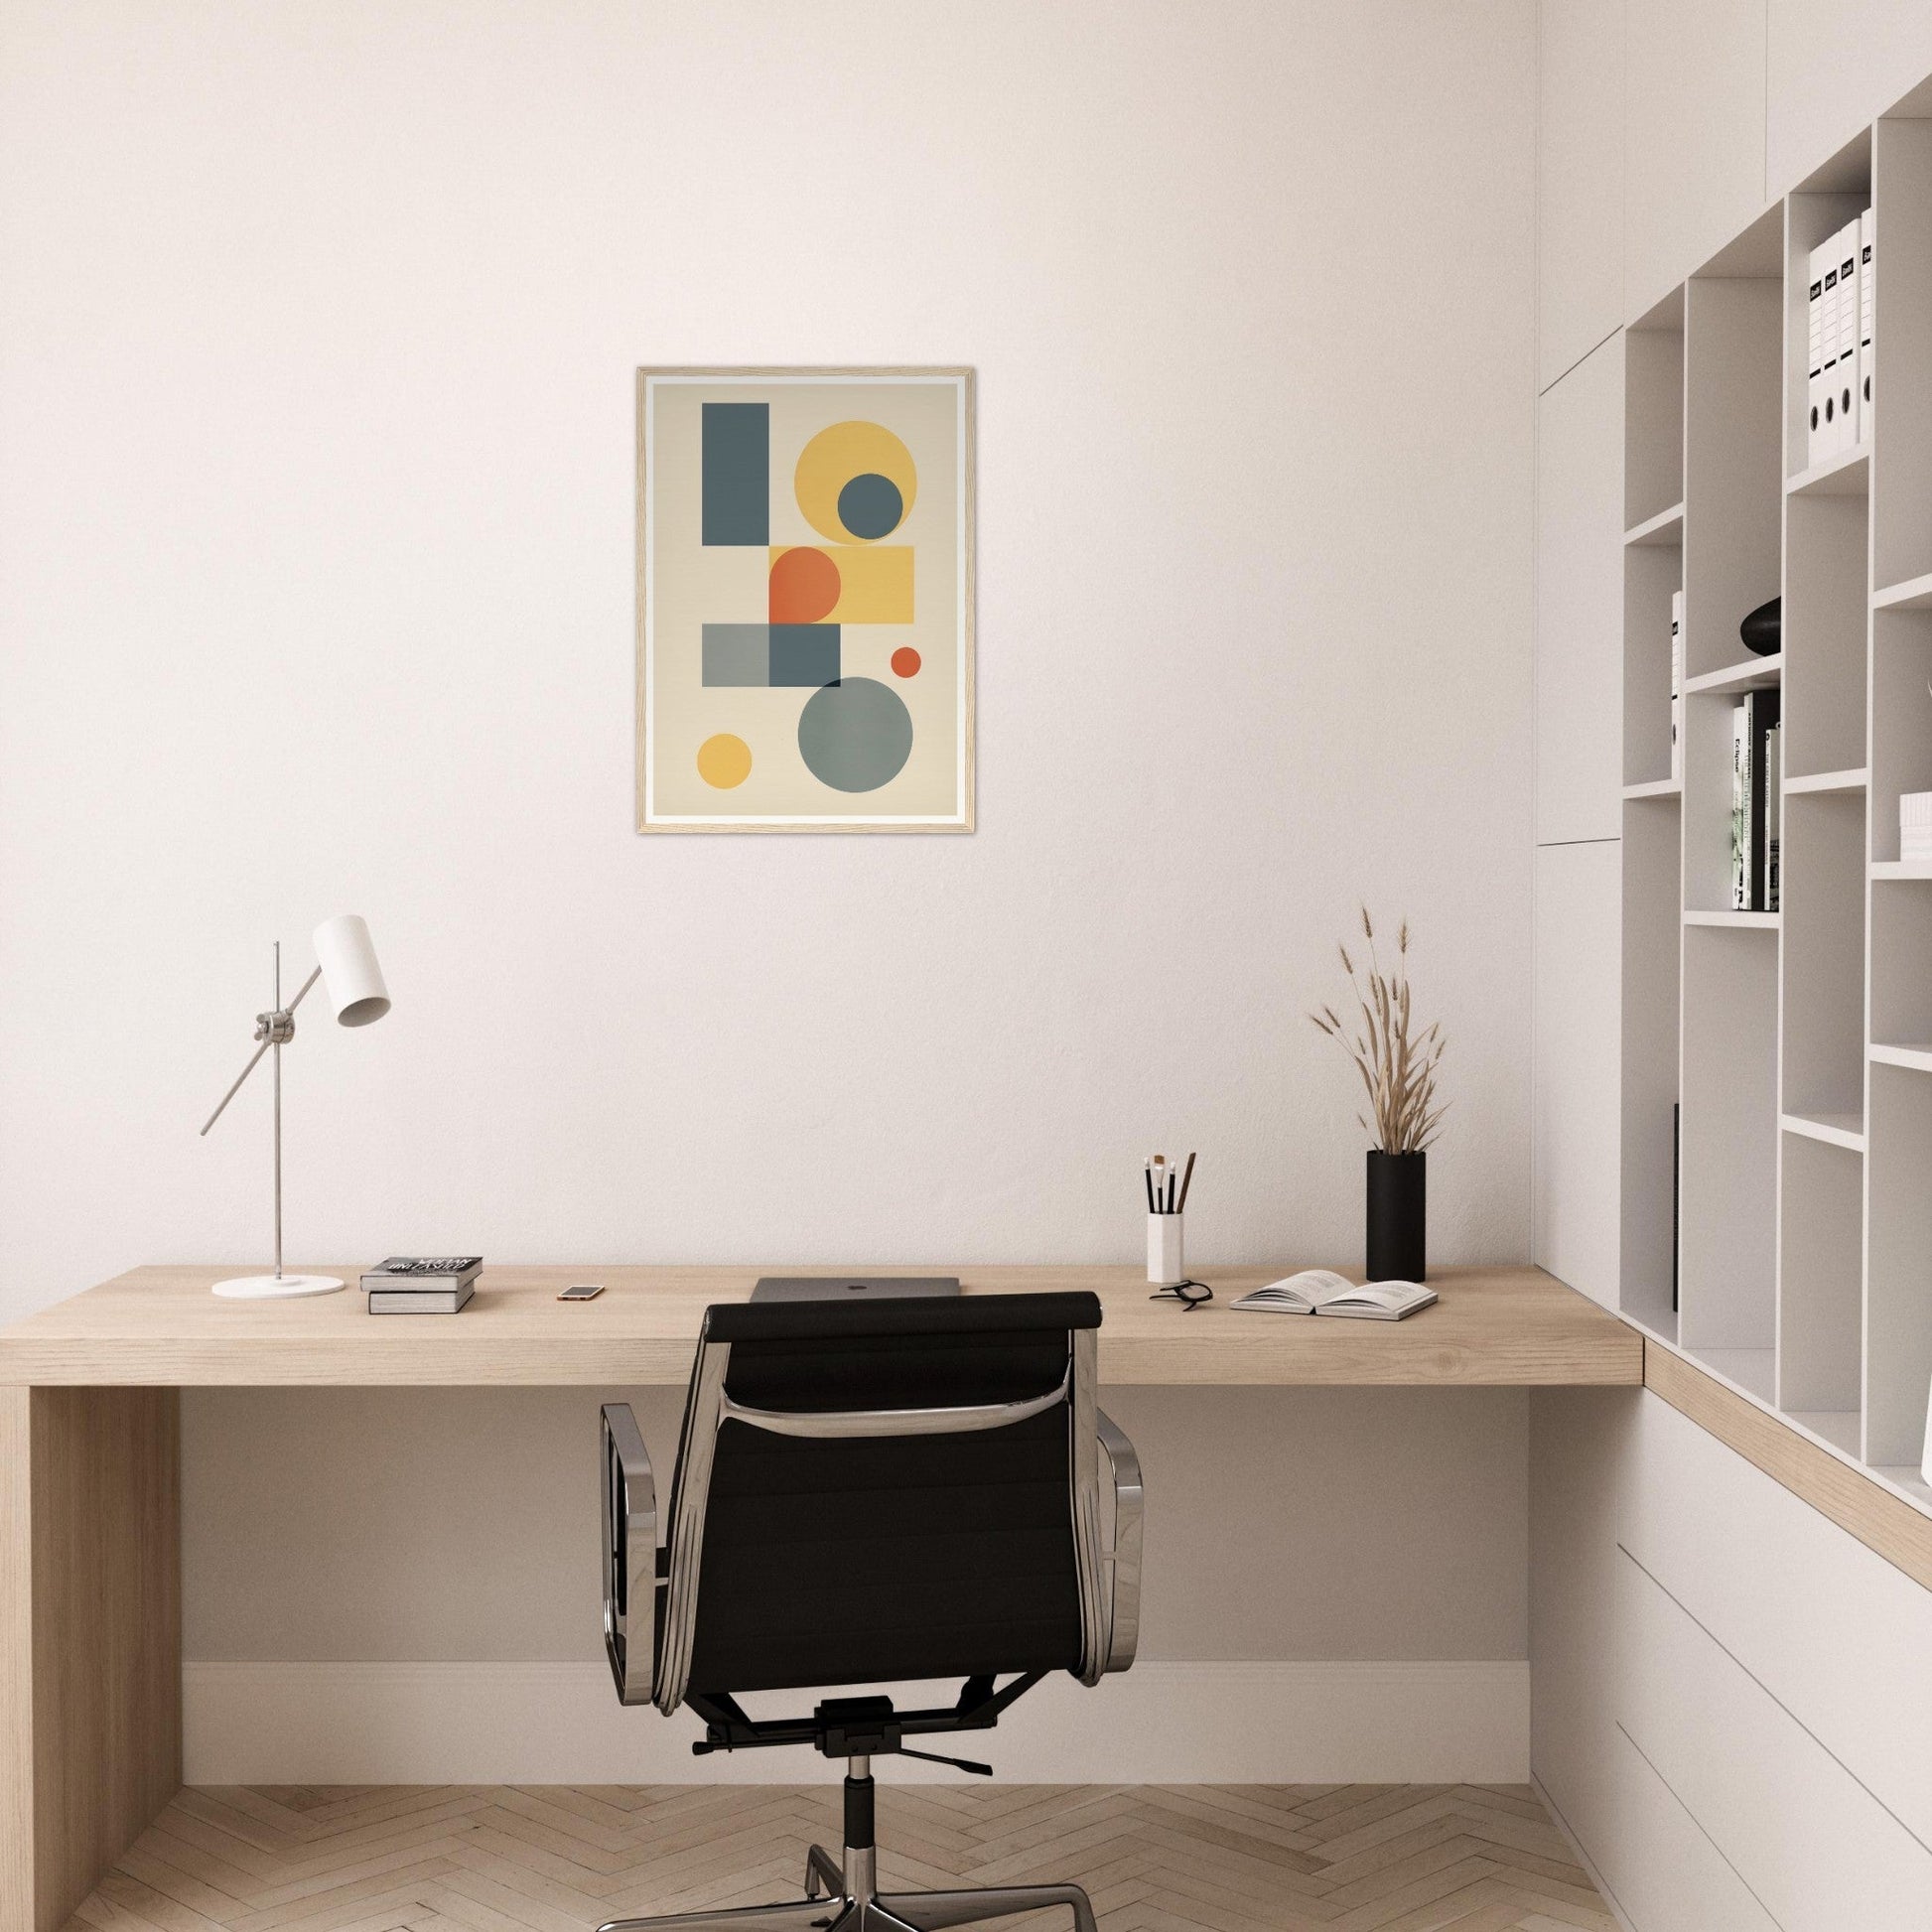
{"x": 561, "y": 1724}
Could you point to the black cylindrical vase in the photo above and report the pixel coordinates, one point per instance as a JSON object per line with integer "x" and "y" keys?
{"x": 1398, "y": 1215}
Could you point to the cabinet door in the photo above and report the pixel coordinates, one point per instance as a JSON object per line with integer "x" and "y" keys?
{"x": 1579, "y": 754}
{"x": 1832, "y": 69}
{"x": 1693, "y": 137}
{"x": 1580, "y": 180}
{"x": 1575, "y": 1115}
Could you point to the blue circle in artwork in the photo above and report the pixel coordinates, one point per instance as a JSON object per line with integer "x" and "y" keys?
{"x": 870, "y": 506}
{"x": 855, "y": 734}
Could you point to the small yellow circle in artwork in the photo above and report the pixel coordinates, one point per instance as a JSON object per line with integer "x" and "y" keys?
{"x": 724, "y": 760}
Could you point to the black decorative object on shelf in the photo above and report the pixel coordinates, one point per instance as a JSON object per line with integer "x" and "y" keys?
{"x": 1398, "y": 1216}
{"x": 1764, "y": 631}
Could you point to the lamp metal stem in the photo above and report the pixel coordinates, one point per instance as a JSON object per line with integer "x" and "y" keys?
{"x": 277, "y": 1007}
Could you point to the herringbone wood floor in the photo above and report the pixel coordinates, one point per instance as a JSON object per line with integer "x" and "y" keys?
{"x": 558, "y": 1858}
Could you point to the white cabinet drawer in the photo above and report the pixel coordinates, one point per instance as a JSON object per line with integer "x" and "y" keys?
{"x": 1834, "y": 1632}
{"x": 1814, "y": 1845}
{"x": 1665, "y": 1872}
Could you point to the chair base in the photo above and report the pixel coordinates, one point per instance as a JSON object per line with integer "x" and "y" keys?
{"x": 848, "y": 1904}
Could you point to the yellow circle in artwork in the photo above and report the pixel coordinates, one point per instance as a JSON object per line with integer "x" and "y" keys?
{"x": 723, "y": 762}
{"x": 834, "y": 457}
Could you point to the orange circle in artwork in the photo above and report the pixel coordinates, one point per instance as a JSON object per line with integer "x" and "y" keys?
{"x": 804, "y": 586}
{"x": 905, "y": 660}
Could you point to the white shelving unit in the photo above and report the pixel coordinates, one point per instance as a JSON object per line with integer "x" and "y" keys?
{"x": 1797, "y": 1044}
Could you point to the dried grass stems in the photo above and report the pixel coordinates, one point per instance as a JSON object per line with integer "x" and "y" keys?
{"x": 1398, "y": 1066}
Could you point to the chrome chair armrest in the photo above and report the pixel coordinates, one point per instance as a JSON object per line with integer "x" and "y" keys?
{"x": 630, "y": 1555}
{"x": 1124, "y": 1558}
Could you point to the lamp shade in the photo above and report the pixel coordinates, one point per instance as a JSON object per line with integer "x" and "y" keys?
{"x": 349, "y": 975}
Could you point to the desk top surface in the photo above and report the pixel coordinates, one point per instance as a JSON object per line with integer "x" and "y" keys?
{"x": 160, "y": 1327}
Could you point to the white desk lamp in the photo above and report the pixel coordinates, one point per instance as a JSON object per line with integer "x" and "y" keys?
{"x": 345, "y": 965}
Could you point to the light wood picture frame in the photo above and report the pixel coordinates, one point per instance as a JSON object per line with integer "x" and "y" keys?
{"x": 805, "y": 556}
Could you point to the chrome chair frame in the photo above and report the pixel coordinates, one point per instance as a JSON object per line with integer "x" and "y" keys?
{"x": 841, "y": 1895}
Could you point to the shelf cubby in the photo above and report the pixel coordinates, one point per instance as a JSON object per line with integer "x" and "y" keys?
{"x": 1901, "y": 963}
{"x": 1652, "y": 572}
{"x": 1901, "y": 401}
{"x": 1652, "y": 854}
{"x": 1901, "y": 719}
{"x": 1821, "y": 1242}
{"x": 1733, "y": 476}
{"x": 1826, "y": 615}
{"x": 1729, "y": 1222}
{"x": 1822, "y": 860}
{"x": 1706, "y": 729}
{"x": 1653, "y": 418}
{"x": 1899, "y": 1291}
{"x": 1836, "y": 193}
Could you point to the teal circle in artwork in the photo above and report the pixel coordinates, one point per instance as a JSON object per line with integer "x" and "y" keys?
{"x": 870, "y": 506}
{"x": 855, "y": 734}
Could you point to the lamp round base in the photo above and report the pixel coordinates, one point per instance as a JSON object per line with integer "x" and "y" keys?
{"x": 275, "y": 1288}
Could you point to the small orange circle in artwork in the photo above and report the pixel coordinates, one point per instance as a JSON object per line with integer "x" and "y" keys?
{"x": 905, "y": 660}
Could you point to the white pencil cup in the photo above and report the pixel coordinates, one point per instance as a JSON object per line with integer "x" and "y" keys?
{"x": 1165, "y": 1265}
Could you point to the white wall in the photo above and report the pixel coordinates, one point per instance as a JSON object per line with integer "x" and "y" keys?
{"x": 316, "y": 458}
{"x": 315, "y": 422}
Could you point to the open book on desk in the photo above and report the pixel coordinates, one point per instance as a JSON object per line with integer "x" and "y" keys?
{"x": 1320, "y": 1291}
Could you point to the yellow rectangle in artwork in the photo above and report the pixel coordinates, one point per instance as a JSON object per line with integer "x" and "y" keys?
{"x": 875, "y": 581}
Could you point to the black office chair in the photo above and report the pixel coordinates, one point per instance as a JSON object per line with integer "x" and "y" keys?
{"x": 867, "y": 1494}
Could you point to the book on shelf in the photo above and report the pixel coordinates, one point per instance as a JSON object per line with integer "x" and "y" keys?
{"x": 1320, "y": 1291}
{"x": 1846, "y": 388}
{"x": 1773, "y": 807}
{"x": 1740, "y": 810}
{"x": 1868, "y": 301}
{"x": 1677, "y": 686}
{"x": 1815, "y": 355}
{"x": 1752, "y": 817}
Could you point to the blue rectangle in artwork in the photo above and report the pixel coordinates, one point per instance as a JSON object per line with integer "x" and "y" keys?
{"x": 804, "y": 653}
{"x": 737, "y": 473}
{"x": 737, "y": 653}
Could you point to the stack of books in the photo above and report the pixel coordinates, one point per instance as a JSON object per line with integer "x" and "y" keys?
{"x": 421, "y": 1284}
{"x": 1755, "y": 778}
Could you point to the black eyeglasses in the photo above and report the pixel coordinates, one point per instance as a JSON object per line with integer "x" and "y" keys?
{"x": 1191, "y": 1294}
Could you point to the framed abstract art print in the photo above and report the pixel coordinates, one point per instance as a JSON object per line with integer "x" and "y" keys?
{"x": 804, "y": 600}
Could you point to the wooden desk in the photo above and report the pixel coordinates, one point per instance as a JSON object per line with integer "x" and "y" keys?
{"x": 90, "y": 1461}
{"x": 161, "y": 1326}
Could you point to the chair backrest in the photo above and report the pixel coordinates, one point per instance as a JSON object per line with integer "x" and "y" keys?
{"x": 896, "y": 1489}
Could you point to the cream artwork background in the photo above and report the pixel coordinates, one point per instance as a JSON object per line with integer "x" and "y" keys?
{"x": 685, "y": 585}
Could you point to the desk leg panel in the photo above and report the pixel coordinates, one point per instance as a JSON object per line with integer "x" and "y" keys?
{"x": 90, "y": 1637}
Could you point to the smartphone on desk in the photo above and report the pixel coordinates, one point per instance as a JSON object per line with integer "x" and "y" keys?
{"x": 582, "y": 1292}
